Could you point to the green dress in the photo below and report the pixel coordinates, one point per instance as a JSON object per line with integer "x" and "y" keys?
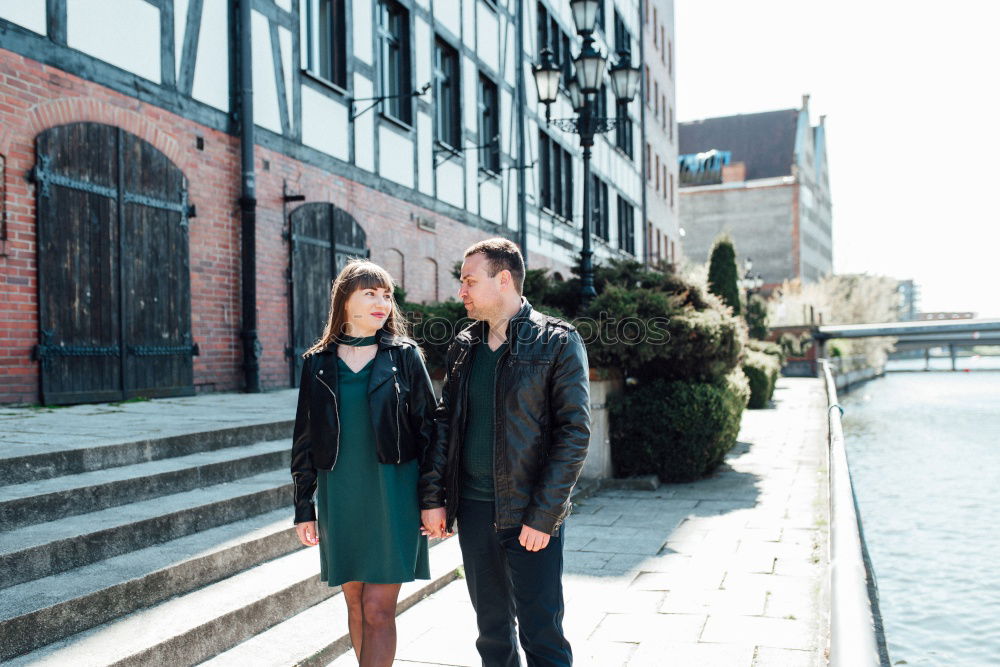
{"x": 368, "y": 513}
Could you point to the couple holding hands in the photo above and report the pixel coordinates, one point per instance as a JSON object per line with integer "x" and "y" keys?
{"x": 375, "y": 456}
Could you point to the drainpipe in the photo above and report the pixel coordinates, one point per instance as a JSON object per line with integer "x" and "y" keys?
{"x": 522, "y": 214}
{"x": 647, "y": 235}
{"x": 248, "y": 207}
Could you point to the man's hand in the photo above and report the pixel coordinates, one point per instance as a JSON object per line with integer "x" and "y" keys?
{"x": 533, "y": 540}
{"x": 307, "y": 533}
{"x": 434, "y": 522}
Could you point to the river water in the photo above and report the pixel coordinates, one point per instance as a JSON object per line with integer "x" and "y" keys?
{"x": 924, "y": 452}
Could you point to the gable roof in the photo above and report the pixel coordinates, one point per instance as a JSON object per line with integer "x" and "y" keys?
{"x": 765, "y": 141}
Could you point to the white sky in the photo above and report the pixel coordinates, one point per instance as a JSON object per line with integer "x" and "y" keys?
{"x": 910, "y": 90}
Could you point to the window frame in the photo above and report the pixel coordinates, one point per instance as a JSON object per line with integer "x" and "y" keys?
{"x": 490, "y": 149}
{"x": 601, "y": 227}
{"x": 446, "y": 78}
{"x": 626, "y": 226}
{"x": 331, "y": 68}
{"x": 400, "y": 107}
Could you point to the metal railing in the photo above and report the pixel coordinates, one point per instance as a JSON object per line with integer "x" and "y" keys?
{"x": 856, "y": 634}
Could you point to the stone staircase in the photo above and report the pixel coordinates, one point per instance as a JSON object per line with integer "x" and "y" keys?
{"x": 167, "y": 551}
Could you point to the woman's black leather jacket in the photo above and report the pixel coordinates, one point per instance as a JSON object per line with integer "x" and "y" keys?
{"x": 401, "y": 402}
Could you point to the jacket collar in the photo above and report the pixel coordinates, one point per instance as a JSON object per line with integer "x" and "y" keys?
{"x": 476, "y": 332}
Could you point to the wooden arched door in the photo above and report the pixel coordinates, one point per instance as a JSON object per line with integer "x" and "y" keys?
{"x": 323, "y": 239}
{"x": 114, "y": 297}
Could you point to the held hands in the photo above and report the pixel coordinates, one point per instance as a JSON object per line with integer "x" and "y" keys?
{"x": 307, "y": 533}
{"x": 533, "y": 540}
{"x": 434, "y": 523}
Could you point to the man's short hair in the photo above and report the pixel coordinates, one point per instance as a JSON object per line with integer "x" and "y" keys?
{"x": 501, "y": 254}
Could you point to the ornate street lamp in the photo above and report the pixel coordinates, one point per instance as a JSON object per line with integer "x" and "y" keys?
{"x": 583, "y": 88}
{"x": 749, "y": 281}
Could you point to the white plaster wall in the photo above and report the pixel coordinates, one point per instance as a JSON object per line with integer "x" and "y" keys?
{"x": 425, "y": 154}
{"x": 362, "y": 24}
{"x": 449, "y": 14}
{"x": 28, "y": 14}
{"x": 450, "y": 183}
{"x": 471, "y": 179}
{"x": 284, "y": 4}
{"x": 395, "y": 156}
{"x": 470, "y": 91}
{"x": 324, "y": 124}
{"x": 211, "y": 69}
{"x": 491, "y": 201}
{"x": 488, "y": 36}
{"x": 469, "y": 24}
{"x": 180, "y": 28}
{"x": 285, "y": 44}
{"x": 265, "y": 90}
{"x": 364, "y": 127}
{"x": 422, "y": 44}
{"x": 123, "y": 33}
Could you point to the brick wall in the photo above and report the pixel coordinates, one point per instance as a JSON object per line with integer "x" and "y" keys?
{"x": 34, "y": 97}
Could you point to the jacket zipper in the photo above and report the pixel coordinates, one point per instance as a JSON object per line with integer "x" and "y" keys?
{"x": 336, "y": 411}
{"x": 395, "y": 381}
{"x": 496, "y": 427}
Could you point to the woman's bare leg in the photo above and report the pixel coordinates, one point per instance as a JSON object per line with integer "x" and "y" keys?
{"x": 379, "y": 636}
{"x": 353, "y": 591}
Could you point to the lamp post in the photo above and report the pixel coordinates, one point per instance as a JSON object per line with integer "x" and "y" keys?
{"x": 583, "y": 88}
{"x": 749, "y": 282}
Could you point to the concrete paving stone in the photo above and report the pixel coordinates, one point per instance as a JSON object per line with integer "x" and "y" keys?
{"x": 662, "y": 562}
{"x": 795, "y": 567}
{"x": 777, "y": 549}
{"x": 621, "y": 602}
{"x": 642, "y": 627}
{"x": 666, "y": 520}
{"x": 584, "y": 560}
{"x": 602, "y": 654}
{"x": 741, "y": 602}
{"x": 693, "y": 577}
{"x": 600, "y": 518}
{"x": 759, "y": 630}
{"x": 586, "y": 530}
{"x": 575, "y": 543}
{"x": 783, "y": 657}
{"x": 698, "y": 654}
{"x": 649, "y": 544}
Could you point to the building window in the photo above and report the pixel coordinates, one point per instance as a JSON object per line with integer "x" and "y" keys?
{"x": 555, "y": 177}
{"x": 664, "y": 180}
{"x": 671, "y": 123}
{"x": 663, "y": 42}
{"x": 626, "y": 226}
{"x": 324, "y": 47}
{"x": 656, "y": 22}
{"x": 671, "y": 190}
{"x": 489, "y": 125}
{"x": 446, "y": 95}
{"x": 551, "y": 36}
{"x": 599, "y": 212}
{"x": 394, "y": 61}
{"x": 649, "y": 162}
{"x": 647, "y": 84}
{"x": 623, "y": 40}
{"x": 623, "y": 129}
{"x": 656, "y": 98}
{"x": 670, "y": 57}
{"x": 657, "y": 173}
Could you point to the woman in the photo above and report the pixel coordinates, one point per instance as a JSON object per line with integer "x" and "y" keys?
{"x": 363, "y": 421}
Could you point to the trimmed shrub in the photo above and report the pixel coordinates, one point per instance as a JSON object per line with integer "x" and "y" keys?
{"x": 723, "y": 276}
{"x": 675, "y": 429}
{"x": 772, "y": 349}
{"x": 762, "y": 373}
{"x": 757, "y": 317}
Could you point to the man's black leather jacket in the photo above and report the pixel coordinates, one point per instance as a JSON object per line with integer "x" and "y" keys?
{"x": 541, "y": 424}
{"x": 401, "y": 403}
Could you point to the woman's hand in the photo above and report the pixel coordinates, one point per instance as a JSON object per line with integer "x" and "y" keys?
{"x": 307, "y": 533}
{"x": 434, "y": 523}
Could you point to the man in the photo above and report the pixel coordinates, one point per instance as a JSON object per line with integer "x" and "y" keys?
{"x": 513, "y": 426}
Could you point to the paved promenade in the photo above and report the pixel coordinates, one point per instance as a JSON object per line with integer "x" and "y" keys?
{"x": 730, "y": 570}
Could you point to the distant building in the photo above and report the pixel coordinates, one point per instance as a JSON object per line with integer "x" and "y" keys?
{"x": 660, "y": 149}
{"x": 909, "y": 298}
{"x": 763, "y": 178}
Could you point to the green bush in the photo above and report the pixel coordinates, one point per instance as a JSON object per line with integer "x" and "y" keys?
{"x": 723, "y": 276}
{"x": 757, "y": 317}
{"x": 434, "y": 327}
{"x": 773, "y": 349}
{"x": 675, "y": 429}
{"x": 762, "y": 373}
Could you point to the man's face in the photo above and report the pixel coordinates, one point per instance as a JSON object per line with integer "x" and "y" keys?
{"x": 478, "y": 291}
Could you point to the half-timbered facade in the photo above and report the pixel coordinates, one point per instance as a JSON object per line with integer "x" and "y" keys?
{"x": 121, "y": 257}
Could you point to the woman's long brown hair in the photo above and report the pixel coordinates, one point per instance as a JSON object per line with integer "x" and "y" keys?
{"x": 358, "y": 274}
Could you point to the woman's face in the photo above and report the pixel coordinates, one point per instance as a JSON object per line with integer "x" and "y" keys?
{"x": 367, "y": 310}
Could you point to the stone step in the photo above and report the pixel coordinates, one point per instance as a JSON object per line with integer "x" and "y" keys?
{"x": 56, "y": 497}
{"x": 43, "y": 549}
{"x": 52, "y": 456}
{"x": 39, "y": 612}
{"x": 318, "y": 635}
{"x": 195, "y": 627}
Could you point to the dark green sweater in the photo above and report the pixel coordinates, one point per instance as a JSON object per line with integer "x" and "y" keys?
{"x": 477, "y": 447}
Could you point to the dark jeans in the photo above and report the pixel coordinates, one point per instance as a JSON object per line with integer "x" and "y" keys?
{"x": 505, "y": 580}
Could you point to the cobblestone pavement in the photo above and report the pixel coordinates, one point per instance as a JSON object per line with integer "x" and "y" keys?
{"x": 729, "y": 570}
